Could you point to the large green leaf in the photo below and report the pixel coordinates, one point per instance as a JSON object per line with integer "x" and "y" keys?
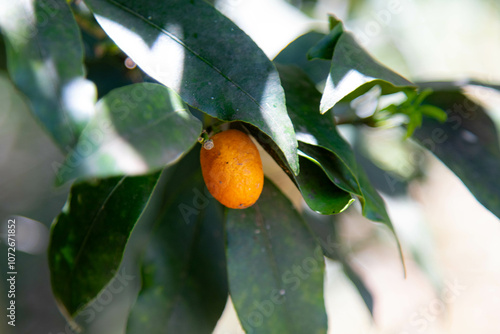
{"x": 467, "y": 143}
{"x": 184, "y": 278}
{"x": 137, "y": 129}
{"x": 353, "y": 71}
{"x": 45, "y": 60}
{"x": 88, "y": 238}
{"x": 213, "y": 65}
{"x": 275, "y": 268}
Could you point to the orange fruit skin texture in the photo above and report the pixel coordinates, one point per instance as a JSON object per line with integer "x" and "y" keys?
{"x": 232, "y": 169}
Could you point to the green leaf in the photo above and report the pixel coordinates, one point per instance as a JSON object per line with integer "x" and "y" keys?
{"x": 433, "y": 112}
{"x": 414, "y": 122}
{"x": 354, "y": 72}
{"x": 295, "y": 54}
{"x": 89, "y": 236}
{"x": 45, "y": 60}
{"x": 467, "y": 143}
{"x": 320, "y": 194}
{"x": 275, "y": 268}
{"x": 332, "y": 166}
{"x": 324, "y": 48}
{"x": 137, "y": 129}
{"x": 213, "y": 65}
{"x": 184, "y": 278}
{"x": 313, "y": 129}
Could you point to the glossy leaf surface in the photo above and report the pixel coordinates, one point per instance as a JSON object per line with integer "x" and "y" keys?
{"x": 275, "y": 268}
{"x": 214, "y": 66}
{"x": 89, "y": 236}
{"x": 137, "y": 129}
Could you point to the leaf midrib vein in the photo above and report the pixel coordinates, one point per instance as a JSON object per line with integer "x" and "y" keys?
{"x": 94, "y": 220}
{"x": 196, "y": 54}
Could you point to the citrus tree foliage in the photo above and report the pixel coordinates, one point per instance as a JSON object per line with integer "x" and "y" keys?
{"x": 119, "y": 129}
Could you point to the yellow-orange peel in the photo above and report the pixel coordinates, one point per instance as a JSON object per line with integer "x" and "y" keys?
{"x": 232, "y": 169}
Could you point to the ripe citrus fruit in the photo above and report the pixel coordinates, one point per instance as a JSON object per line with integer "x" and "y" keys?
{"x": 232, "y": 169}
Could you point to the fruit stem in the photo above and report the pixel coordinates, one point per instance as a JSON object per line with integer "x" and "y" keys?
{"x": 203, "y": 137}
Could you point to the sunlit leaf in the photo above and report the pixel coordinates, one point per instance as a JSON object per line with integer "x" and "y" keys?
{"x": 275, "y": 268}
{"x": 137, "y": 129}
{"x": 89, "y": 237}
{"x": 353, "y": 70}
{"x": 214, "y": 66}
{"x": 45, "y": 60}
